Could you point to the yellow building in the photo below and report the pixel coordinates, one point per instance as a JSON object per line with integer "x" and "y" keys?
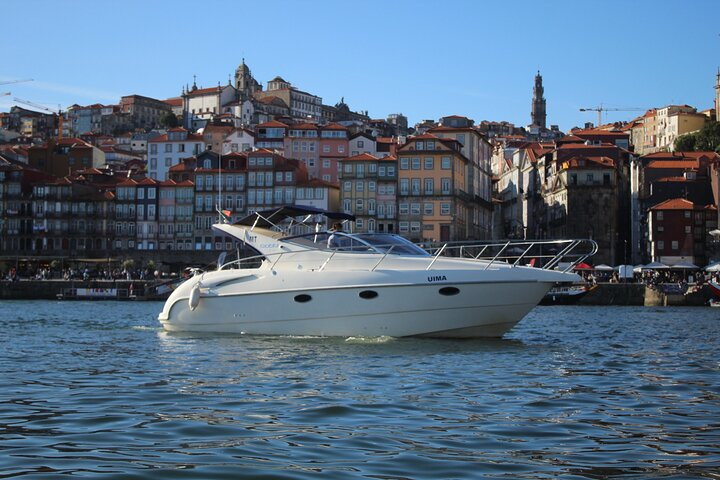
{"x": 674, "y": 121}
{"x": 433, "y": 203}
{"x": 368, "y": 190}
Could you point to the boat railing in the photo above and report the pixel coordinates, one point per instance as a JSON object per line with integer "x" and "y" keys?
{"x": 546, "y": 254}
{"x": 562, "y": 255}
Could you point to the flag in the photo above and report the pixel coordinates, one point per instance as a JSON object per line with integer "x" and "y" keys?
{"x": 226, "y": 215}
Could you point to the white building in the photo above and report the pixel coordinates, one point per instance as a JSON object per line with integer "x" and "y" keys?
{"x": 167, "y": 150}
{"x": 240, "y": 140}
{"x": 201, "y": 105}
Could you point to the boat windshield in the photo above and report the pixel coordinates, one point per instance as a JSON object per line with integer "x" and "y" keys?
{"x": 361, "y": 242}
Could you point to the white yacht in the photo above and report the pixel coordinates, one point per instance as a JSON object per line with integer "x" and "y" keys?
{"x": 366, "y": 285}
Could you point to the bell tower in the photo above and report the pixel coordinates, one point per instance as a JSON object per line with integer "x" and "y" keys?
{"x": 717, "y": 97}
{"x": 537, "y": 114}
{"x": 244, "y": 81}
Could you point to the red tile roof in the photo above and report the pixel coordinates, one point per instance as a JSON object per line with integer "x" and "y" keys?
{"x": 333, "y": 126}
{"x": 304, "y": 126}
{"x": 675, "y": 204}
{"x": 589, "y": 162}
{"x": 204, "y": 91}
{"x": 361, "y": 157}
{"x": 681, "y": 164}
{"x": 273, "y": 124}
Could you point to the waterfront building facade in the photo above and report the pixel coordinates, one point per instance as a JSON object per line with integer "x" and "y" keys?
{"x": 433, "y": 204}
{"x": 678, "y": 231}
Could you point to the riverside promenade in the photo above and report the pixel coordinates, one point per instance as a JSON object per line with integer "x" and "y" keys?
{"x": 637, "y": 294}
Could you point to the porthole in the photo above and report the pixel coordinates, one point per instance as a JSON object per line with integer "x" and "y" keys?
{"x": 368, "y": 294}
{"x": 302, "y": 298}
{"x": 449, "y": 291}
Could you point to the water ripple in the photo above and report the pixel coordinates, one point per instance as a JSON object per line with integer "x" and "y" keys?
{"x": 100, "y": 391}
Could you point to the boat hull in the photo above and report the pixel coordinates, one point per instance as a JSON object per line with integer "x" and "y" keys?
{"x": 459, "y": 310}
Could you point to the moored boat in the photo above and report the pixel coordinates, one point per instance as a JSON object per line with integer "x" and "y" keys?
{"x": 365, "y": 284}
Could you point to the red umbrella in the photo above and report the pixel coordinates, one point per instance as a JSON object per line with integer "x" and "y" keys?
{"x": 582, "y": 266}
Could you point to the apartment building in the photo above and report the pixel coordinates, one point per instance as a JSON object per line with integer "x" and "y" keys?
{"x": 433, "y": 204}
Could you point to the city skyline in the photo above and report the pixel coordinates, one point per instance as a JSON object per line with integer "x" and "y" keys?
{"x": 398, "y": 58}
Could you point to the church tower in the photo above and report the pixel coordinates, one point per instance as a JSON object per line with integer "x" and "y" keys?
{"x": 538, "y": 103}
{"x": 244, "y": 81}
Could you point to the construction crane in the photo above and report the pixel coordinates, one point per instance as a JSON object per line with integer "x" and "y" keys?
{"x": 16, "y": 81}
{"x": 59, "y": 113}
{"x": 11, "y": 82}
{"x": 600, "y": 109}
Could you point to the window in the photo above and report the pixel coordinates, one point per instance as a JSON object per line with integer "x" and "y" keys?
{"x": 660, "y": 245}
{"x": 687, "y": 213}
{"x": 445, "y": 186}
{"x": 445, "y": 163}
{"x": 341, "y": 148}
{"x": 674, "y": 245}
{"x": 428, "y": 209}
{"x": 359, "y": 205}
{"x": 688, "y": 229}
{"x": 416, "y": 164}
{"x": 404, "y": 227}
{"x": 404, "y": 163}
{"x": 326, "y": 163}
{"x": 429, "y": 186}
{"x": 414, "y": 209}
{"x": 659, "y": 215}
{"x": 326, "y": 148}
{"x": 414, "y": 227}
{"x": 416, "y": 186}
{"x": 444, "y": 209}
{"x": 371, "y": 186}
{"x": 404, "y": 186}
{"x": 419, "y": 145}
{"x": 347, "y": 186}
{"x": 429, "y": 163}
{"x": 168, "y": 148}
{"x": 404, "y": 209}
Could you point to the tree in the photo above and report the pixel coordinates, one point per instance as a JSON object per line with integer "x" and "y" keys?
{"x": 708, "y": 138}
{"x": 168, "y": 119}
{"x": 686, "y": 143}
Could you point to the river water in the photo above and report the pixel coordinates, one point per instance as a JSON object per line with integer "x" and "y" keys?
{"x": 98, "y": 390}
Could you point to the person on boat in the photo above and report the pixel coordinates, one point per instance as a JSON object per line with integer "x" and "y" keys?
{"x": 334, "y": 240}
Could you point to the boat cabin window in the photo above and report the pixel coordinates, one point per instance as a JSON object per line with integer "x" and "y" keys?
{"x": 359, "y": 243}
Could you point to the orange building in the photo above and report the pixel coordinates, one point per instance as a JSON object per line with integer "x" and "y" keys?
{"x": 433, "y": 204}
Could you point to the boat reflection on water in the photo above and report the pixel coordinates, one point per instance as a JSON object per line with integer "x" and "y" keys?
{"x": 369, "y": 284}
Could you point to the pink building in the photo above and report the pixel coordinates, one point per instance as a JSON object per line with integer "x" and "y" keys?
{"x": 334, "y": 145}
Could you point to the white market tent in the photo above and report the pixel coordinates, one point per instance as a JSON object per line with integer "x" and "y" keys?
{"x": 685, "y": 266}
{"x": 713, "y": 267}
{"x": 655, "y": 266}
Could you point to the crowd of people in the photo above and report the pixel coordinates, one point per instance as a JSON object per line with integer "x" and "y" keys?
{"x": 84, "y": 274}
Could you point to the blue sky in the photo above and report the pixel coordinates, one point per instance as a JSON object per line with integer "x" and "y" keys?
{"x": 425, "y": 59}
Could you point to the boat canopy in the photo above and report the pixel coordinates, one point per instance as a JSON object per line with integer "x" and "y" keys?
{"x": 270, "y": 218}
